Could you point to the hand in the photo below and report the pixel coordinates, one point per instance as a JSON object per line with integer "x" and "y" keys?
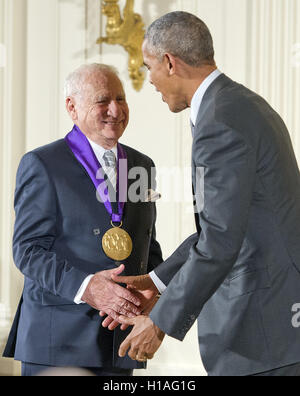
{"x": 112, "y": 324}
{"x": 144, "y": 339}
{"x": 142, "y": 287}
{"x": 105, "y": 295}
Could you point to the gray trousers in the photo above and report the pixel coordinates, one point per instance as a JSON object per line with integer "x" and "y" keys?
{"x": 31, "y": 370}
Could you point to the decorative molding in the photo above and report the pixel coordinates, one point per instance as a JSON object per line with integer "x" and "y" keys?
{"x": 5, "y": 152}
{"x": 2, "y": 101}
{"x": 7, "y": 366}
{"x": 43, "y": 68}
{"x": 12, "y": 142}
{"x": 12, "y": 146}
{"x": 5, "y": 322}
{"x": 5, "y": 319}
{"x": 295, "y": 97}
{"x": 93, "y": 28}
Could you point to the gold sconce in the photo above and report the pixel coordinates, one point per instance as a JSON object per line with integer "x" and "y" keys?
{"x": 128, "y": 32}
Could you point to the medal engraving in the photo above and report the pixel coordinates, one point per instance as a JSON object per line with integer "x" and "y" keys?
{"x": 117, "y": 244}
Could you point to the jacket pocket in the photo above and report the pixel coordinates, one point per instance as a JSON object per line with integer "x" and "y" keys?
{"x": 49, "y": 299}
{"x": 249, "y": 282}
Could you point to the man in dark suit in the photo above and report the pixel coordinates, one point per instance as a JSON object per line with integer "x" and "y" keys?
{"x": 71, "y": 234}
{"x": 240, "y": 273}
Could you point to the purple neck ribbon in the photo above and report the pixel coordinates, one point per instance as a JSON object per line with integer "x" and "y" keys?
{"x": 84, "y": 153}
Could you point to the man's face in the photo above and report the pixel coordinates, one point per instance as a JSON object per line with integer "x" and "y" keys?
{"x": 101, "y": 109}
{"x": 164, "y": 81}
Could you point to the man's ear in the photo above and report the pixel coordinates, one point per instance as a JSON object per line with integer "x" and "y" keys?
{"x": 71, "y": 108}
{"x": 171, "y": 64}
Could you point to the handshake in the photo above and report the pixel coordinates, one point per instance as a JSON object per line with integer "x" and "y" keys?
{"x": 127, "y": 307}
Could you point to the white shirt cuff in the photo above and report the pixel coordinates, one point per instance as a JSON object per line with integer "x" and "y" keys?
{"x": 158, "y": 283}
{"x": 77, "y": 299}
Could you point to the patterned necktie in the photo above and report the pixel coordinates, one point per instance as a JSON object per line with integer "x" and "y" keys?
{"x": 110, "y": 167}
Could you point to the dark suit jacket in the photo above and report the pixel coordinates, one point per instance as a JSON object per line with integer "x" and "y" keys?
{"x": 241, "y": 274}
{"x": 57, "y": 243}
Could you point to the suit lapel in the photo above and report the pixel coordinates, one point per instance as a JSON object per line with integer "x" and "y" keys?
{"x": 219, "y": 83}
{"x": 107, "y": 181}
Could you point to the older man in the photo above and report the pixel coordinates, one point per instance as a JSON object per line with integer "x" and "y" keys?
{"x": 71, "y": 234}
{"x": 240, "y": 273}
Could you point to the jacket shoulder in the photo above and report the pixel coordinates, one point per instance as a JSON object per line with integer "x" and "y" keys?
{"x": 236, "y": 99}
{"x": 137, "y": 156}
{"x": 50, "y": 156}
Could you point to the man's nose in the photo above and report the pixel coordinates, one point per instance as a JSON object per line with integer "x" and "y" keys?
{"x": 114, "y": 109}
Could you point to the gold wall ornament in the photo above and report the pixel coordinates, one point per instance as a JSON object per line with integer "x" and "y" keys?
{"x": 128, "y": 32}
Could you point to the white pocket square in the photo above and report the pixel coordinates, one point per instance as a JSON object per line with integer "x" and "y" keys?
{"x": 152, "y": 196}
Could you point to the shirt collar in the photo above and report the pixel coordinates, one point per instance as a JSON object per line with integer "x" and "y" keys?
{"x": 198, "y": 96}
{"x": 99, "y": 150}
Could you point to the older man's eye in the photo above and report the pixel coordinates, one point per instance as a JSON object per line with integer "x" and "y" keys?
{"x": 102, "y": 101}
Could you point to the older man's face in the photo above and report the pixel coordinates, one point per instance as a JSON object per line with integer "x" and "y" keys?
{"x": 102, "y": 110}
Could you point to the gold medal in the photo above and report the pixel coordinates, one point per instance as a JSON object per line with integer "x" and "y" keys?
{"x": 117, "y": 243}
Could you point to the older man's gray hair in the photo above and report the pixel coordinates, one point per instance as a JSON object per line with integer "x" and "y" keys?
{"x": 74, "y": 81}
{"x": 183, "y": 35}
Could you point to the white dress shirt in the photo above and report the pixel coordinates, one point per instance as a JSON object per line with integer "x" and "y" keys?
{"x": 195, "y": 107}
{"x": 99, "y": 152}
{"x": 198, "y": 95}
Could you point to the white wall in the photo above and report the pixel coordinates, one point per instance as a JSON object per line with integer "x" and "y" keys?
{"x": 255, "y": 43}
{"x": 12, "y": 146}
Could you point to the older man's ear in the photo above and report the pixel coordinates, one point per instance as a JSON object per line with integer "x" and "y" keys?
{"x": 71, "y": 108}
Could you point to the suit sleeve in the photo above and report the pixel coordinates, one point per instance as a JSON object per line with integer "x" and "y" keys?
{"x": 35, "y": 231}
{"x": 229, "y": 172}
{"x": 167, "y": 270}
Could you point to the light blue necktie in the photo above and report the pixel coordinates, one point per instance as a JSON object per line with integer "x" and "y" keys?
{"x": 110, "y": 167}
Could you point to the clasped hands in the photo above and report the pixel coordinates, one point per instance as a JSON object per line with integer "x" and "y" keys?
{"x": 127, "y": 307}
